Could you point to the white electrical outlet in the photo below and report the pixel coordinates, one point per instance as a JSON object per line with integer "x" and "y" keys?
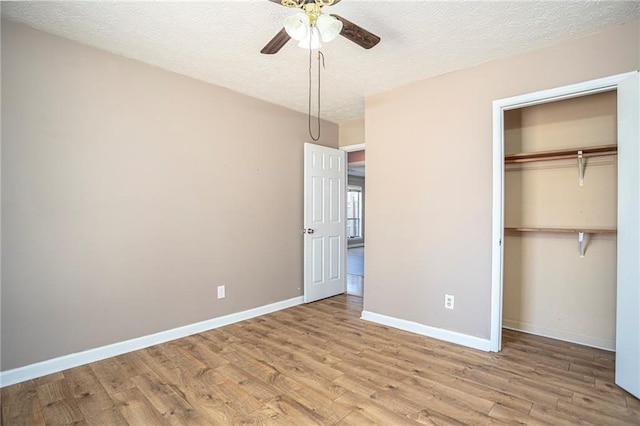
{"x": 221, "y": 294}
{"x": 448, "y": 301}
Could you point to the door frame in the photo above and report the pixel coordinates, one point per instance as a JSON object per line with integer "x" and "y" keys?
{"x": 497, "y": 234}
{"x": 352, "y": 148}
{"x": 348, "y": 149}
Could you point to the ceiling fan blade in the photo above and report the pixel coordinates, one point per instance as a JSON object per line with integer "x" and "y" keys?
{"x": 357, "y": 34}
{"x": 276, "y": 43}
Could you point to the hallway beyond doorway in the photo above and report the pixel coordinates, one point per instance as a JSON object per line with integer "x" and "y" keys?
{"x": 355, "y": 271}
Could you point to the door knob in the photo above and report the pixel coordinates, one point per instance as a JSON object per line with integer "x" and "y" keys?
{"x": 308, "y": 231}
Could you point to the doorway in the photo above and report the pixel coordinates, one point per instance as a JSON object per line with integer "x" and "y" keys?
{"x": 355, "y": 208}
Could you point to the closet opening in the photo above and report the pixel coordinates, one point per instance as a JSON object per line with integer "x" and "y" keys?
{"x": 526, "y": 235}
{"x": 560, "y": 219}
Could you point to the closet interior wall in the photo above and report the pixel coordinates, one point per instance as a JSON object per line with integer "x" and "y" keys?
{"x": 548, "y": 288}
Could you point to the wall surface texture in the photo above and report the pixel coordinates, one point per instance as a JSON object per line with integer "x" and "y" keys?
{"x": 352, "y": 132}
{"x": 548, "y": 288}
{"x": 129, "y": 193}
{"x": 429, "y": 215}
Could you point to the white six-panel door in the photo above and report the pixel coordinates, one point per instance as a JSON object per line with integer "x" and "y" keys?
{"x": 324, "y": 222}
{"x": 628, "y": 291}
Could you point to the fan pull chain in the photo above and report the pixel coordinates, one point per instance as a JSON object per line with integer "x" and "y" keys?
{"x": 320, "y": 59}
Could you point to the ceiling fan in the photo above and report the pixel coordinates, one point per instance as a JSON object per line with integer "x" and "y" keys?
{"x": 311, "y": 25}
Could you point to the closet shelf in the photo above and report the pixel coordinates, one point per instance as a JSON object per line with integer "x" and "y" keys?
{"x": 561, "y": 154}
{"x": 580, "y": 232}
{"x": 563, "y": 230}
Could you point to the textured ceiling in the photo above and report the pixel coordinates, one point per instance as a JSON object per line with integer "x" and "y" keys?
{"x": 219, "y": 41}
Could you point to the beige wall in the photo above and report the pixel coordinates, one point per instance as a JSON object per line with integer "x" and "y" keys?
{"x": 352, "y": 132}
{"x": 129, "y": 193}
{"x": 548, "y": 288}
{"x": 429, "y": 215}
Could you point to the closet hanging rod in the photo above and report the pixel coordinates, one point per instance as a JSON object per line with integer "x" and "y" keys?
{"x": 561, "y": 154}
{"x": 562, "y": 230}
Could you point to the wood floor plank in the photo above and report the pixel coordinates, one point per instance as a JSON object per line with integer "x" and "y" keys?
{"x": 311, "y": 344}
{"x": 215, "y": 340}
{"x": 137, "y": 409}
{"x": 182, "y": 359}
{"x": 48, "y": 378}
{"x": 590, "y": 369}
{"x": 85, "y": 386}
{"x": 552, "y": 416}
{"x": 298, "y": 354}
{"x": 20, "y": 405}
{"x": 531, "y": 343}
{"x": 494, "y": 380}
{"x": 257, "y": 367}
{"x": 201, "y": 351}
{"x": 320, "y": 363}
{"x": 509, "y": 415}
{"x": 422, "y": 394}
{"x": 307, "y": 400}
{"x": 296, "y": 368}
{"x": 603, "y": 406}
{"x": 169, "y": 403}
{"x": 632, "y": 402}
{"x": 59, "y": 407}
{"x": 230, "y": 393}
{"x": 408, "y": 360}
{"x": 395, "y": 398}
{"x": 92, "y": 399}
{"x": 131, "y": 364}
{"x": 219, "y": 401}
{"x": 591, "y": 415}
{"x": 111, "y": 376}
{"x": 295, "y": 392}
{"x": 369, "y": 411}
{"x": 211, "y": 402}
{"x": 13, "y": 395}
{"x": 296, "y": 412}
{"x": 244, "y": 380}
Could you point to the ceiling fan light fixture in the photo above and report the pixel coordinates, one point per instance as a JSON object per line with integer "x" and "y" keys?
{"x": 329, "y": 27}
{"x": 297, "y": 26}
{"x": 312, "y": 40}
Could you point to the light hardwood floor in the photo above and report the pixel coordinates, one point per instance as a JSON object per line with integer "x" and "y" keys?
{"x": 355, "y": 271}
{"x": 321, "y": 364}
{"x": 355, "y": 285}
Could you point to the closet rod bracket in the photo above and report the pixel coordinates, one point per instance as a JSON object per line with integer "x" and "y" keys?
{"x": 581, "y": 243}
{"x": 581, "y": 164}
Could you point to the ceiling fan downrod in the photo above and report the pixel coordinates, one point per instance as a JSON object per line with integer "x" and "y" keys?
{"x": 302, "y": 3}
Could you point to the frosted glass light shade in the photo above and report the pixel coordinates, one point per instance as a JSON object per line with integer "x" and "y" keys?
{"x": 297, "y": 26}
{"x": 328, "y": 26}
{"x": 312, "y": 40}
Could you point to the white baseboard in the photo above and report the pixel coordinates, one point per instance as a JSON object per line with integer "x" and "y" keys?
{"x": 425, "y": 330}
{"x": 566, "y": 336}
{"x": 65, "y": 362}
